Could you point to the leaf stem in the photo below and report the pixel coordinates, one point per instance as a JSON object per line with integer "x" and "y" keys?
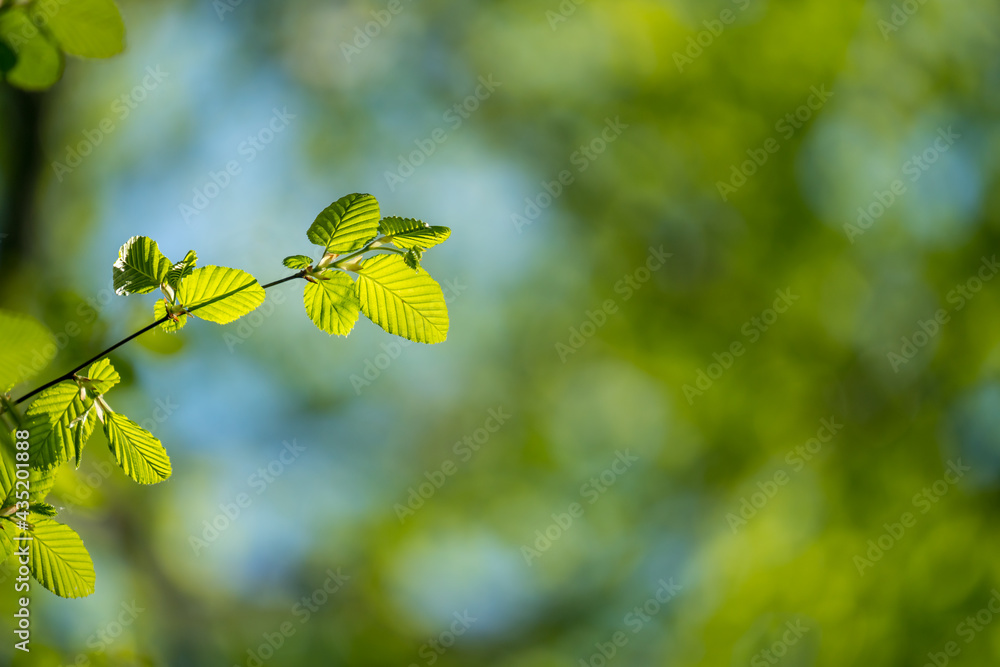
{"x": 69, "y": 375}
{"x": 300, "y": 274}
{"x": 357, "y": 253}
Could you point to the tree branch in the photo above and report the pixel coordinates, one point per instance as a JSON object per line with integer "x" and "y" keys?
{"x": 69, "y": 375}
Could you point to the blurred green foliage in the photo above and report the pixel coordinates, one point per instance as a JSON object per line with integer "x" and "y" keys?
{"x": 34, "y": 35}
{"x": 382, "y": 423}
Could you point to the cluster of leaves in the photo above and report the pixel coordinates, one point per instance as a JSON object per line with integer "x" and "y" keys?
{"x": 35, "y": 37}
{"x": 219, "y": 294}
{"x": 56, "y": 428}
{"x": 391, "y": 289}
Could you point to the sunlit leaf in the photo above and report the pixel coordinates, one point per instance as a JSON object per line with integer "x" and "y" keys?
{"x": 402, "y": 301}
{"x": 82, "y": 431}
{"x": 182, "y": 269}
{"x": 86, "y": 28}
{"x": 41, "y": 480}
{"x": 219, "y": 294}
{"x": 7, "y": 545}
{"x": 43, "y": 509}
{"x": 140, "y": 267}
{"x": 139, "y": 454}
{"x": 347, "y": 224}
{"x": 102, "y": 376}
{"x": 412, "y": 258}
{"x": 297, "y": 262}
{"x": 410, "y": 233}
{"x": 58, "y": 559}
{"x": 332, "y": 303}
{"x": 7, "y": 465}
{"x": 48, "y": 421}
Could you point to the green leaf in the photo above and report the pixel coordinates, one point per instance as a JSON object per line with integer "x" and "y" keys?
{"x": 43, "y": 509}
{"x": 170, "y": 326}
{"x": 40, "y": 480}
{"x": 410, "y": 233}
{"x": 59, "y": 561}
{"x": 332, "y": 302}
{"x": 87, "y": 28}
{"x": 7, "y": 532}
{"x": 102, "y": 376}
{"x": 82, "y": 432}
{"x": 140, "y": 268}
{"x": 346, "y": 224}
{"x": 27, "y": 348}
{"x": 139, "y": 454}
{"x": 403, "y": 302}
{"x": 49, "y": 419}
{"x": 412, "y": 257}
{"x": 181, "y": 270}
{"x": 9, "y": 408}
{"x": 39, "y": 61}
{"x": 219, "y": 294}
{"x": 297, "y": 262}
{"x": 7, "y": 467}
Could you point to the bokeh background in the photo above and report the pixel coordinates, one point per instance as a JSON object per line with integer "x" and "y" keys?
{"x": 775, "y": 548}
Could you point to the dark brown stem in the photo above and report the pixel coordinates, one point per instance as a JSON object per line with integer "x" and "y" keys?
{"x": 70, "y": 374}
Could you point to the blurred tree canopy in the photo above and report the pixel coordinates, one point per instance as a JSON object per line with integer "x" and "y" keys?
{"x": 748, "y": 244}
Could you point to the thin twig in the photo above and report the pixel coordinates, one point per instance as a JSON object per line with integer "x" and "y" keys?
{"x": 70, "y": 374}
